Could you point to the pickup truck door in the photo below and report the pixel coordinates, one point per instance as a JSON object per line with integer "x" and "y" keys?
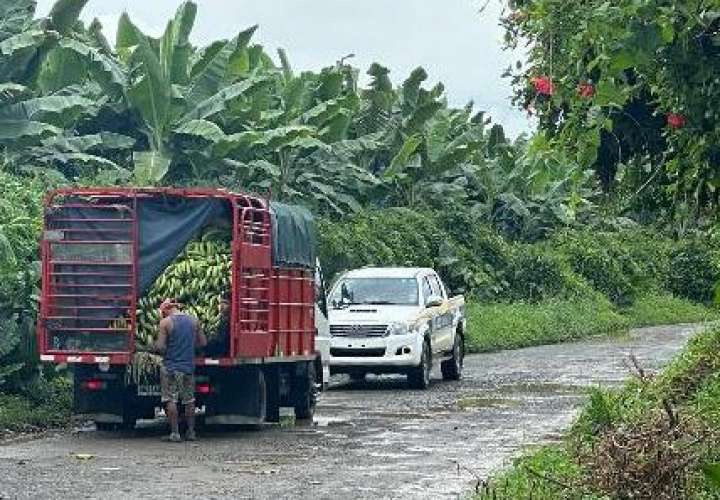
{"x": 444, "y": 316}
{"x": 440, "y": 316}
{"x": 435, "y": 333}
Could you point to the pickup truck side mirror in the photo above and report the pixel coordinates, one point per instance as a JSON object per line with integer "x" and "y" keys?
{"x": 433, "y": 301}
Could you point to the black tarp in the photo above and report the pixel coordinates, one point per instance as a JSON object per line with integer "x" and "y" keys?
{"x": 294, "y": 236}
{"x": 166, "y": 226}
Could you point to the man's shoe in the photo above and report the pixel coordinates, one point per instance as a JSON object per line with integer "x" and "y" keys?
{"x": 190, "y": 436}
{"x": 172, "y": 438}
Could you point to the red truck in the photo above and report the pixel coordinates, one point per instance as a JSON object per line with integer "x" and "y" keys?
{"x": 102, "y": 249}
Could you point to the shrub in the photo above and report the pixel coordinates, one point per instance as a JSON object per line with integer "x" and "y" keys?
{"x": 590, "y": 257}
{"x": 43, "y": 403}
{"x": 470, "y": 261}
{"x": 645, "y": 256}
{"x": 391, "y": 237}
{"x": 693, "y": 270}
{"x": 534, "y": 274}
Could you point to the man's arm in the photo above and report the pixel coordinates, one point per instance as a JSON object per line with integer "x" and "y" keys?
{"x": 200, "y": 338}
{"x": 164, "y": 331}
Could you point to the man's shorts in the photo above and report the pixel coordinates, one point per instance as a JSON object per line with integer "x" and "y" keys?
{"x": 176, "y": 387}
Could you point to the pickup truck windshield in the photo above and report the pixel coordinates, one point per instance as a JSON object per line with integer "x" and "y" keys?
{"x": 379, "y": 291}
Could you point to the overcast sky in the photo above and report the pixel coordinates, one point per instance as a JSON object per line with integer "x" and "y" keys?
{"x": 455, "y": 42}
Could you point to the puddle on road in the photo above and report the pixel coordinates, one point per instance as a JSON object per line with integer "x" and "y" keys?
{"x": 399, "y": 416}
{"x": 325, "y": 421}
{"x": 391, "y": 456}
{"x": 468, "y": 403}
{"x": 541, "y": 389}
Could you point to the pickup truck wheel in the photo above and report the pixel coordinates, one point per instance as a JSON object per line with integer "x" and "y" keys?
{"x": 105, "y": 426}
{"x": 452, "y": 368}
{"x": 419, "y": 377}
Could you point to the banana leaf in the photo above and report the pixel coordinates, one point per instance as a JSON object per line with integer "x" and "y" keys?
{"x": 15, "y": 15}
{"x": 65, "y": 14}
{"x": 150, "y": 167}
{"x": 209, "y": 73}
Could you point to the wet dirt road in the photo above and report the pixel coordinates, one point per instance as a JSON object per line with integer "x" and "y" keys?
{"x": 376, "y": 439}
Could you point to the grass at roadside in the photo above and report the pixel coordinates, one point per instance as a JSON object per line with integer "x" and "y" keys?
{"x": 499, "y": 326}
{"x": 655, "y": 438}
{"x": 513, "y": 325}
{"x": 664, "y": 309}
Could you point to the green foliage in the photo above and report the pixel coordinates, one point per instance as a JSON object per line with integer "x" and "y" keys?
{"x": 644, "y": 61}
{"x": 20, "y": 214}
{"x": 534, "y": 274}
{"x": 227, "y": 115}
{"x": 522, "y": 482}
{"x": 393, "y": 237}
{"x": 693, "y": 270}
{"x": 43, "y": 404}
{"x": 603, "y": 263}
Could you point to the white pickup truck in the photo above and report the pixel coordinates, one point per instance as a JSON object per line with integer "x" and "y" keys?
{"x": 395, "y": 320}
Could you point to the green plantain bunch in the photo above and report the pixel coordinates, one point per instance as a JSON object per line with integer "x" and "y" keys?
{"x": 197, "y": 279}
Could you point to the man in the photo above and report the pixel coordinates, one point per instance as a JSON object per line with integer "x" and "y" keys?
{"x": 180, "y": 334}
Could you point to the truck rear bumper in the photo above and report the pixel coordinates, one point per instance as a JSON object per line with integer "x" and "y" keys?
{"x": 104, "y": 418}
{"x": 384, "y": 354}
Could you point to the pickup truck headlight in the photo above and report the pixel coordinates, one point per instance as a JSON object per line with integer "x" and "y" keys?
{"x": 398, "y": 329}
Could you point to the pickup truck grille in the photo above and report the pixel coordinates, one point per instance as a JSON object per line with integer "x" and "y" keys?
{"x": 358, "y": 330}
{"x": 375, "y": 352}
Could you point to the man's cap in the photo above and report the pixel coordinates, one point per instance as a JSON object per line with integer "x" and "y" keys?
{"x": 167, "y": 305}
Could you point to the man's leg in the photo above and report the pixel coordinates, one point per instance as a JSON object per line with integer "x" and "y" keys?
{"x": 172, "y": 415}
{"x": 169, "y": 388}
{"x": 188, "y": 399}
{"x": 190, "y": 419}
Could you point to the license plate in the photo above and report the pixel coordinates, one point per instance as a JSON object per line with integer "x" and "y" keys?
{"x": 148, "y": 390}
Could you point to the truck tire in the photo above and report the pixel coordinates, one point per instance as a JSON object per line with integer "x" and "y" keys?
{"x": 452, "y": 368}
{"x": 305, "y": 397}
{"x": 105, "y": 426}
{"x": 419, "y": 377}
{"x": 128, "y": 423}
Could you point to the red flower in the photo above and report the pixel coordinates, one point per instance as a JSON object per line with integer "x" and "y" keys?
{"x": 676, "y": 120}
{"x": 543, "y": 85}
{"x": 586, "y": 90}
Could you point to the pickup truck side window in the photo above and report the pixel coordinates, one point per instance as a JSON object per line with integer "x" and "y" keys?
{"x": 427, "y": 289}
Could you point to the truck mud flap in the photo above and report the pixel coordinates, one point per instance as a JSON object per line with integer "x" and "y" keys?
{"x": 240, "y": 397}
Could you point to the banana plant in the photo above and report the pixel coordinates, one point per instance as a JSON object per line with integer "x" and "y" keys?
{"x": 431, "y": 141}
{"x": 54, "y": 75}
{"x": 525, "y": 188}
{"x": 175, "y": 89}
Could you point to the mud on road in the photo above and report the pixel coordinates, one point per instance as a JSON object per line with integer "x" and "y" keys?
{"x": 375, "y": 439}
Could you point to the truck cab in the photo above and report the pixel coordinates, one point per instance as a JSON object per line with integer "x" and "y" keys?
{"x": 395, "y": 320}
